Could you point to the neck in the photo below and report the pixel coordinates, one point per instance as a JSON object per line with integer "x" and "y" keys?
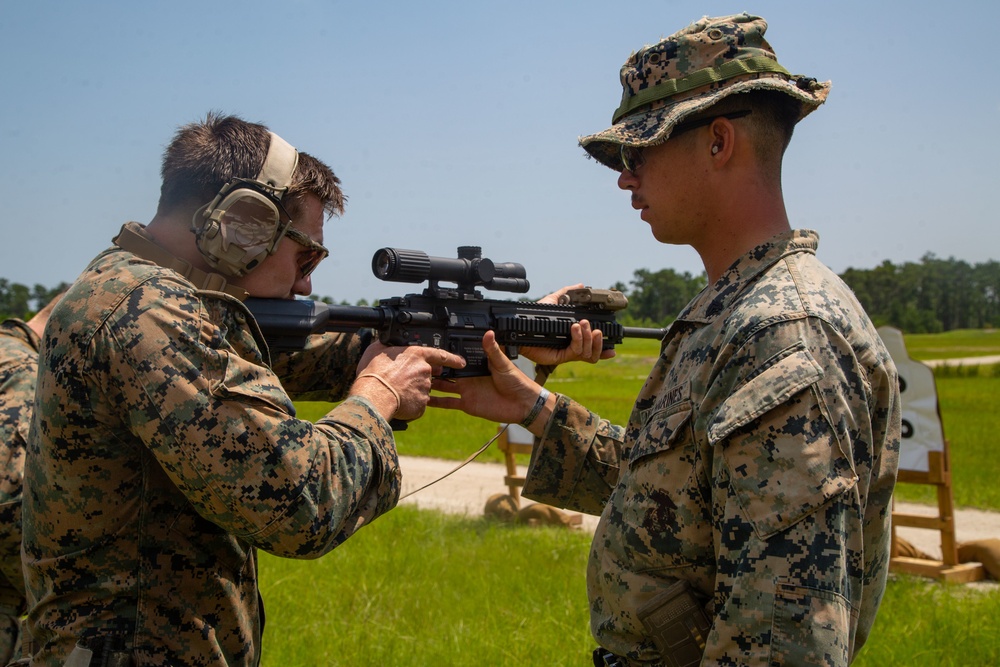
{"x": 173, "y": 233}
{"x": 755, "y": 213}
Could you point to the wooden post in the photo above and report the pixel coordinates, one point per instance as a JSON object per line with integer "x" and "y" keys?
{"x": 948, "y": 568}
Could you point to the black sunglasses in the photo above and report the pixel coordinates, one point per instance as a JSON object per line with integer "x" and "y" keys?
{"x": 317, "y": 253}
{"x": 632, "y": 156}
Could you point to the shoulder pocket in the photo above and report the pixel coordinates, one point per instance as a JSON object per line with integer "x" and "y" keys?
{"x": 792, "y": 462}
{"x": 777, "y": 383}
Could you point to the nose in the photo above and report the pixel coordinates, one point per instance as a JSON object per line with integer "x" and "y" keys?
{"x": 303, "y": 286}
{"x": 627, "y": 180}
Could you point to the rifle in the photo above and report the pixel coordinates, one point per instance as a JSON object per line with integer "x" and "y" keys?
{"x": 452, "y": 318}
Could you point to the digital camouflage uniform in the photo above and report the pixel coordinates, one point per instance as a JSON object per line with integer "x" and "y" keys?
{"x": 18, "y": 368}
{"x": 165, "y": 451}
{"x": 757, "y": 465}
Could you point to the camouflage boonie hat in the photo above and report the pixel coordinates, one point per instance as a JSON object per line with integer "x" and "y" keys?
{"x": 690, "y": 71}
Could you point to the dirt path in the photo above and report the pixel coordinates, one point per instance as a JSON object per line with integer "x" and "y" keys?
{"x": 465, "y": 492}
{"x": 966, "y": 361}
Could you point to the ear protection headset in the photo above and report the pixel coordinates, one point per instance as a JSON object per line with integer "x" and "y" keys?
{"x": 238, "y": 229}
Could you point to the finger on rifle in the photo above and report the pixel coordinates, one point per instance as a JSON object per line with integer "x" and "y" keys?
{"x": 591, "y": 341}
{"x": 554, "y": 296}
{"x": 449, "y": 359}
{"x": 498, "y": 360}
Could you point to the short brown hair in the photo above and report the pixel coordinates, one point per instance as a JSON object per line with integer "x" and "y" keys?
{"x": 204, "y": 156}
{"x": 772, "y": 120}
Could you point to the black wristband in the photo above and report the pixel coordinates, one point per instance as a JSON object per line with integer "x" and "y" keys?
{"x": 536, "y": 408}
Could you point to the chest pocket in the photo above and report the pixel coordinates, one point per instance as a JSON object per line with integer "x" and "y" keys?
{"x": 658, "y": 504}
{"x": 791, "y": 462}
{"x": 666, "y": 429}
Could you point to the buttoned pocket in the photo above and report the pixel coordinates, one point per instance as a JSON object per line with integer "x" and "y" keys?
{"x": 665, "y": 429}
{"x": 659, "y": 504}
{"x": 783, "y": 456}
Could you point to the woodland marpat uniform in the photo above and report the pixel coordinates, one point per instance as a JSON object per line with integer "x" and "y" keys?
{"x": 760, "y": 457}
{"x": 157, "y": 404}
{"x": 18, "y": 368}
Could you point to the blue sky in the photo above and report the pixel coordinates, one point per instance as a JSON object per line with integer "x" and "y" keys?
{"x": 456, "y": 123}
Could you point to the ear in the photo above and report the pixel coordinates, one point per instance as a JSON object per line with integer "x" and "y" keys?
{"x": 722, "y": 136}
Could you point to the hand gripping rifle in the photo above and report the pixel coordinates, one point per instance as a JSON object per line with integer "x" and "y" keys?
{"x": 454, "y": 319}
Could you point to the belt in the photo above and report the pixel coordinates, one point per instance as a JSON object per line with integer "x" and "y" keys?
{"x": 605, "y": 658}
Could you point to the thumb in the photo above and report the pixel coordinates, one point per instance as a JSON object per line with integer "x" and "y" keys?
{"x": 499, "y": 361}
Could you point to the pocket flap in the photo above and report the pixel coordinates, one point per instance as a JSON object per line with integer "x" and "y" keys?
{"x": 772, "y": 387}
{"x": 661, "y": 432}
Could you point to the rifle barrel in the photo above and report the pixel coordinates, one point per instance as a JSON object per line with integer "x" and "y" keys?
{"x": 644, "y": 332}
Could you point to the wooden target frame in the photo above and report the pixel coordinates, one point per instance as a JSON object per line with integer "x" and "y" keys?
{"x": 925, "y": 459}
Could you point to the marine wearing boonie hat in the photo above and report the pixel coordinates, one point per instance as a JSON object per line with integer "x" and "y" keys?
{"x": 690, "y": 71}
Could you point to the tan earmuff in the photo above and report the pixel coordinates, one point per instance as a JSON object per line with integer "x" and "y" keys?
{"x": 243, "y": 224}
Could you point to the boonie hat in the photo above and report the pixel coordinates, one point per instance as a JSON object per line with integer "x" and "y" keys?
{"x": 690, "y": 71}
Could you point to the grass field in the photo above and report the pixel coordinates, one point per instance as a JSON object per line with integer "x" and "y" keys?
{"x": 422, "y": 588}
{"x": 967, "y": 403}
{"x": 954, "y": 344}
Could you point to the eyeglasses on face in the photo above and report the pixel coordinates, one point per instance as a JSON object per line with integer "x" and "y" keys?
{"x": 308, "y": 261}
{"x": 632, "y": 157}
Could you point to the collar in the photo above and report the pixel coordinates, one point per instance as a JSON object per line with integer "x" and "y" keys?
{"x": 134, "y": 238}
{"x": 717, "y": 298}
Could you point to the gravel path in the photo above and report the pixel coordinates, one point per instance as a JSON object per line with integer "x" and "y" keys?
{"x": 465, "y": 492}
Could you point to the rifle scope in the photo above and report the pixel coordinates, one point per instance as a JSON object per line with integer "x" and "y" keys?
{"x": 469, "y": 270}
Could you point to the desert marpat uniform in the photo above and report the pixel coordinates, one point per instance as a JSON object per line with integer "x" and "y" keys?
{"x": 757, "y": 465}
{"x": 165, "y": 451}
{"x": 18, "y": 368}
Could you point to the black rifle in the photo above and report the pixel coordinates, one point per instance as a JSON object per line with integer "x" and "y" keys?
{"x": 453, "y": 319}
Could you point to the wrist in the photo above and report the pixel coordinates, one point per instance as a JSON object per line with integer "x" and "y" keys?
{"x": 536, "y": 409}
{"x": 387, "y": 407}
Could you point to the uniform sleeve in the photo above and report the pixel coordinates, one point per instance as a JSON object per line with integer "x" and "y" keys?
{"x": 324, "y": 370}
{"x": 17, "y": 396}
{"x": 18, "y": 369}
{"x": 575, "y": 463}
{"x": 786, "y": 510}
{"x": 222, "y": 428}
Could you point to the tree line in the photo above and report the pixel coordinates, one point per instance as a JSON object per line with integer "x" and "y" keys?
{"x": 17, "y": 300}
{"x": 929, "y": 296}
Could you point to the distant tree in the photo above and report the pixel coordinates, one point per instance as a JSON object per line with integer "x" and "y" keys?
{"x": 17, "y": 300}
{"x": 930, "y": 296}
{"x": 658, "y": 296}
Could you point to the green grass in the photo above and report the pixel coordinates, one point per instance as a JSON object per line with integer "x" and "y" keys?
{"x": 968, "y": 414}
{"x": 418, "y": 588}
{"x": 422, "y": 588}
{"x": 953, "y": 344}
{"x": 923, "y": 623}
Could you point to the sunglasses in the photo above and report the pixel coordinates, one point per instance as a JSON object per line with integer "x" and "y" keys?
{"x": 316, "y": 252}
{"x": 632, "y": 156}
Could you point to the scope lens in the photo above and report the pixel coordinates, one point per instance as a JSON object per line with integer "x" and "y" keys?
{"x": 382, "y": 264}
